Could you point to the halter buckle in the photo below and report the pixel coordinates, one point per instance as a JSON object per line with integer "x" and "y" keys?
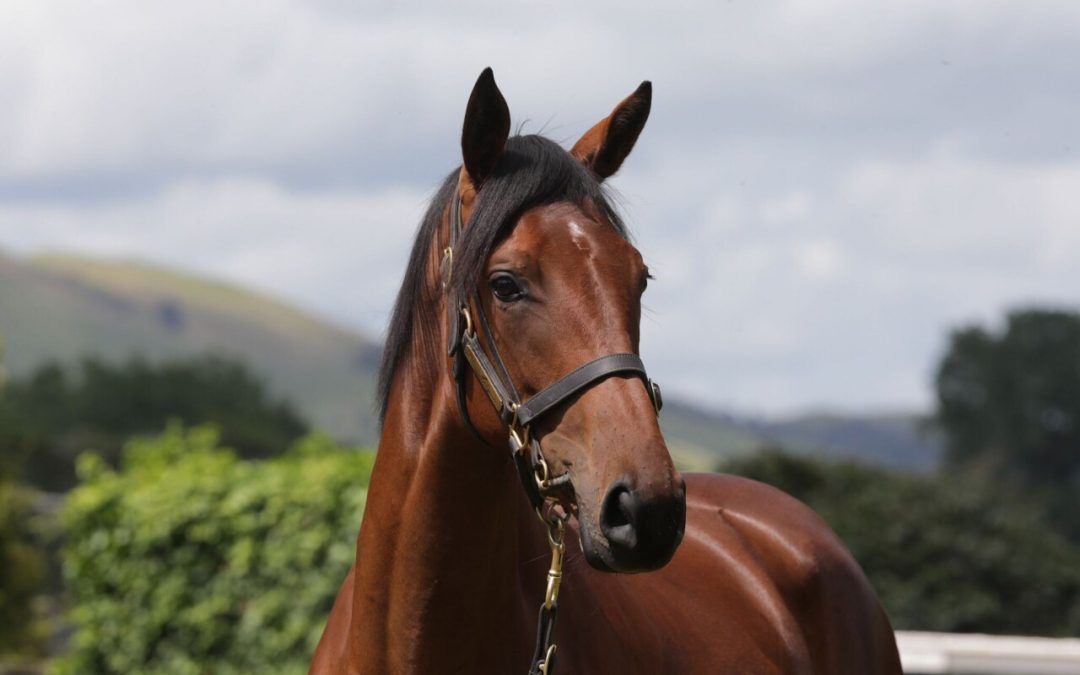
{"x": 656, "y": 396}
{"x": 518, "y": 441}
{"x": 447, "y": 266}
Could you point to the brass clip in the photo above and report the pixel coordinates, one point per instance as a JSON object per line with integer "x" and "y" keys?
{"x": 546, "y": 663}
{"x": 554, "y": 575}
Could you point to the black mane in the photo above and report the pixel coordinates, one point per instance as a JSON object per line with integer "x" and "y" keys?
{"x": 532, "y": 171}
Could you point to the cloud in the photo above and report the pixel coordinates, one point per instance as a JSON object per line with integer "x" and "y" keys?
{"x": 847, "y": 295}
{"x": 823, "y": 189}
{"x": 340, "y": 253}
{"x": 318, "y": 92}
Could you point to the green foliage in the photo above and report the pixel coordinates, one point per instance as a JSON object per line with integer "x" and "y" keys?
{"x": 189, "y": 560}
{"x": 1009, "y": 404}
{"x": 944, "y": 553}
{"x": 49, "y": 417}
{"x": 22, "y": 572}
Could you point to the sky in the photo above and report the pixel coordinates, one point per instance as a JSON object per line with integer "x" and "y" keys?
{"x": 824, "y": 189}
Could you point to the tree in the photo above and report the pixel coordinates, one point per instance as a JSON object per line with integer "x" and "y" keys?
{"x": 1009, "y": 407}
{"x": 48, "y": 417}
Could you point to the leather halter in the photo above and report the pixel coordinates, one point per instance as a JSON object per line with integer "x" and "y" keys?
{"x": 466, "y": 348}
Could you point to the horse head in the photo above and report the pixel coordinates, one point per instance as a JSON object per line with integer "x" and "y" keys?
{"x": 547, "y": 272}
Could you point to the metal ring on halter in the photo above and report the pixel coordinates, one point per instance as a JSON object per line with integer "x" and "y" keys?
{"x": 522, "y": 439}
{"x": 468, "y": 319}
{"x": 542, "y": 473}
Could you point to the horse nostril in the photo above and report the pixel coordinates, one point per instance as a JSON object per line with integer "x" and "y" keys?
{"x": 617, "y": 516}
{"x": 643, "y": 528}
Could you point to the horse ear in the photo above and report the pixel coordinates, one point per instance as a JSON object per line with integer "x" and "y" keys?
{"x": 604, "y": 147}
{"x": 487, "y": 126}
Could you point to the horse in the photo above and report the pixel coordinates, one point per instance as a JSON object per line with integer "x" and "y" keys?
{"x": 518, "y": 322}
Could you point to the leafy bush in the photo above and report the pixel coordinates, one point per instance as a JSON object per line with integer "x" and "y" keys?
{"x": 189, "y": 560}
{"x": 943, "y": 552}
{"x": 22, "y": 572}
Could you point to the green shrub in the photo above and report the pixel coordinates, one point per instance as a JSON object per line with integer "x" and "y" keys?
{"x": 22, "y": 572}
{"x": 189, "y": 560}
{"x": 946, "y": 553}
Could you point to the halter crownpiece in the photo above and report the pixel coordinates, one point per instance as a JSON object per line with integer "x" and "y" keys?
{"x": 466, "y": 348}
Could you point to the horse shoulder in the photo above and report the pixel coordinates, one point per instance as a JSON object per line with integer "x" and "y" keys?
{"x": 823, "y": 586}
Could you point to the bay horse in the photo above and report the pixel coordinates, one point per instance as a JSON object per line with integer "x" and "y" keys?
{"x": 522, "y": 272}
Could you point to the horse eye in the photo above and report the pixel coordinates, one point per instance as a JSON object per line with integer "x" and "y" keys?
{"x": 506, "y": 288}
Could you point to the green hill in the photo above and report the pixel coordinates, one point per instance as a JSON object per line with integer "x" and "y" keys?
{"x": 895, "y": 440}
{"x": 63, "y": 307}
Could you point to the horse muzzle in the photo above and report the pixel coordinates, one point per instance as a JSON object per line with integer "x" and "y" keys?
{"x": 640, "y": 529}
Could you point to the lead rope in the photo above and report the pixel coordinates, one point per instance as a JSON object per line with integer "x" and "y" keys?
{"x": 543, "y": 660}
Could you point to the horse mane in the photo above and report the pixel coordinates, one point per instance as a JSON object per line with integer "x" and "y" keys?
{"x": 532, "y": 171}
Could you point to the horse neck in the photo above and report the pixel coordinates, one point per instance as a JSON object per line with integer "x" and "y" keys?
{"x": 441, "y": 545}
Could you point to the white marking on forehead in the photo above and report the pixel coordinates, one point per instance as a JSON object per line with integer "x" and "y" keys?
{"x": 577, "y": 234}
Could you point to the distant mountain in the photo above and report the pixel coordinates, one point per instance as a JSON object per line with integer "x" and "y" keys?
{"x": 901, "y": 441}
{"x": 896, "y": 440}
{"x": 63, "y": 307}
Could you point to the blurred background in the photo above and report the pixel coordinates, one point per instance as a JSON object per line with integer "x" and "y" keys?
{"x": 864, "y": 222}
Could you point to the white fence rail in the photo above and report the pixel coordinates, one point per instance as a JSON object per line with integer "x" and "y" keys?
{"x": 933, "y": 653}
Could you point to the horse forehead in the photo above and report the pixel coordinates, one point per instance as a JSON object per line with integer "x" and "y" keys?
{"x": 557, "y": 230}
